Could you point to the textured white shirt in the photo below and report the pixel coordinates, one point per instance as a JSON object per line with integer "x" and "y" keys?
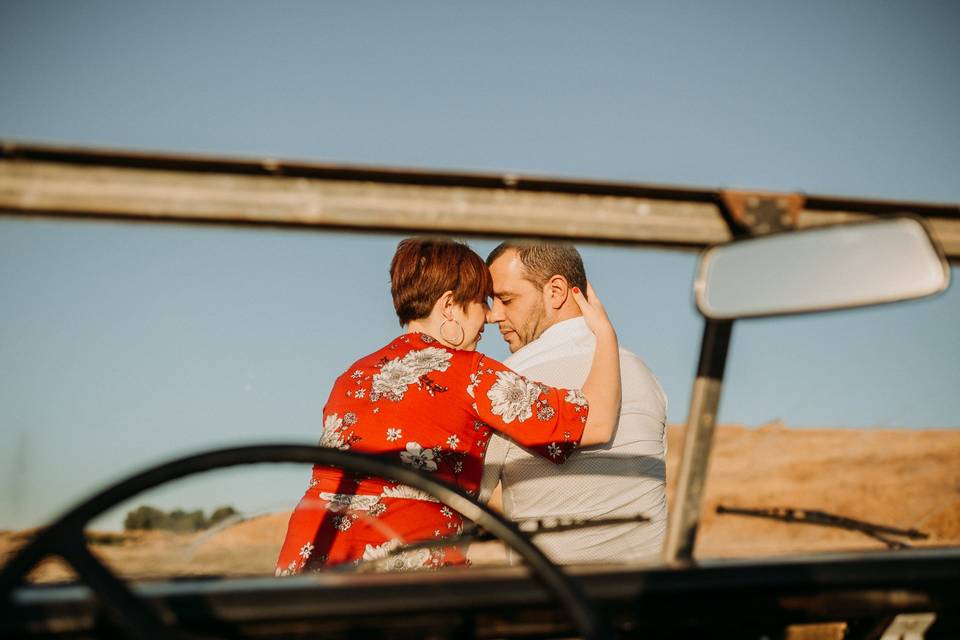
{"x": 625, "y": 477}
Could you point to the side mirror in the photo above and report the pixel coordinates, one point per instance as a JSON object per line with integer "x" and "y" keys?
{"x": 819, "y": 269}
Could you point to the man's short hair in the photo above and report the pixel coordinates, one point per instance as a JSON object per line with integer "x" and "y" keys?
{"x": 543, "y": 260}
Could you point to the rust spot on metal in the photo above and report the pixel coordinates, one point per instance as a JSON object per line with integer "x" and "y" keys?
{"x": 759, "y": 213}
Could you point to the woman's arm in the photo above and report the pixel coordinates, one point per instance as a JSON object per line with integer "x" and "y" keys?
{"x": 546, "y": 420}
{"x": 602, "y": 386}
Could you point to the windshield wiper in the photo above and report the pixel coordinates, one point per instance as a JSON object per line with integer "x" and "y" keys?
{"x": 822, "y": 518}
{"x": 473, "y": 533}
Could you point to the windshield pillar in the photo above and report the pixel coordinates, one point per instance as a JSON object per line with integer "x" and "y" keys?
{"x": 697, "y": 443}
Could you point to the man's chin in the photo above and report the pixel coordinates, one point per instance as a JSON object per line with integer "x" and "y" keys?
{"x": 513, "y": 341}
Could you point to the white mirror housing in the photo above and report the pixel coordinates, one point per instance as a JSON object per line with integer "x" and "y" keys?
{"x": 820, "y": 269}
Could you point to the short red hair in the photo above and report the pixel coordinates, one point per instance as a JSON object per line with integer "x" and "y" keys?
{"x": 423, "y": 269}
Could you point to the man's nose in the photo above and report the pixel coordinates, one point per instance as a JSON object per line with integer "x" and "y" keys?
{"x": 494, "y": 313}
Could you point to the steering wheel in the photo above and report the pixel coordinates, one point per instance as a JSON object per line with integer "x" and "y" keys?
{"x": 139, "y": 619}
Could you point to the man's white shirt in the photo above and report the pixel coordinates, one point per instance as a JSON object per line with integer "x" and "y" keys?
{"x": 625, "y": 477}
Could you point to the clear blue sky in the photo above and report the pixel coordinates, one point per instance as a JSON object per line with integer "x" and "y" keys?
{"x": 124, "y": 345}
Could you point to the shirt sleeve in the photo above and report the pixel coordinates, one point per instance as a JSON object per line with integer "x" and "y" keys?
{"x": 546, "y": 420}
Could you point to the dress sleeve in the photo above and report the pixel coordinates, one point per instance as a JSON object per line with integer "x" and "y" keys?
{"x": 546, "y": 420}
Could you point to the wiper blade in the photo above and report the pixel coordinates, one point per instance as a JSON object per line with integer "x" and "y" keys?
{"x": 822, "y": 518}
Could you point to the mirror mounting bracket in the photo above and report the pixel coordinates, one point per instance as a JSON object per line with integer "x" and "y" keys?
{"x": 757, "y": 213}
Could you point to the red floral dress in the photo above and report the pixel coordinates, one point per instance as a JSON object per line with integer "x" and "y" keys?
{"x": 422, "y": 404}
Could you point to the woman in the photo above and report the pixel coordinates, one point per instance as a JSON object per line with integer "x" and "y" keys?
{"x": 429, "y": 400}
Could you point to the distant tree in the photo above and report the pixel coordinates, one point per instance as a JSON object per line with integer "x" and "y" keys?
{"x": 220, "y": 515}
{"x": 175, "y": 520}
{"x": 149, "y": 519}
{"x": 184, "y": 522}
{"x": 145, "y": 518}
{"x": 196, "y": 521}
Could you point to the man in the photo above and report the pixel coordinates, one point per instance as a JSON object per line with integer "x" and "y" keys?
{"x": 551, "y": 343}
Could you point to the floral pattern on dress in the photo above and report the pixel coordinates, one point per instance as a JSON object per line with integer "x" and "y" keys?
{"x": 384, "y": 558}
{"x": 396, "y": 375}
{"x": 392, "y": 381}
{"x": 336, "y": 434}
{"x": 343, "y": 523}
{"x": 475, "y": 378}
{"x": 512, "y": 396}
{"x": 506, "y": 401}
{"x": 408, "y": 492}
{"x": 380, "y": 551}
{"x": 451, "y": 460}
{"x": 423, "y": 361}
{"x": 545, "y": 411}
{"x": 418, "y": 457}
{"x": 576, "y": 397}
{"x": 337, "y": 502}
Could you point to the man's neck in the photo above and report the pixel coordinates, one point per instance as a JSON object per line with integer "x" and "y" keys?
{"x": 568, "y": 311}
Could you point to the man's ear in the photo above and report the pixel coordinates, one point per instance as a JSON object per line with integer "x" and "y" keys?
{"x": 557, "y": 291}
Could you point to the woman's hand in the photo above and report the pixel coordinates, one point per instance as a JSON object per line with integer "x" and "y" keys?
{"x": 592, "y": 309}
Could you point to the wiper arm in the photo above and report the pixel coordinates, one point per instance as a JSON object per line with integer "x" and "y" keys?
{"x": 810, "y": 516}
{"x": 537, "y": 526}
{"x": 473, "y": 533}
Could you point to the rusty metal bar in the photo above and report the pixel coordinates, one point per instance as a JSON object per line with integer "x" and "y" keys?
{"x": 360, "y": 202}
{"x": 39, "y": 180}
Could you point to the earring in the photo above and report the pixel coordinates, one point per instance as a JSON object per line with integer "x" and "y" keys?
{"x": 457, "y": 342}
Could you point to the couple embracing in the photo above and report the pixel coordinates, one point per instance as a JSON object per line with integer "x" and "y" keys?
{"x": 569, "y": 426}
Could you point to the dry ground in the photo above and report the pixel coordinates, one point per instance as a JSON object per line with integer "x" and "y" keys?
{"x": 901, "y": 478}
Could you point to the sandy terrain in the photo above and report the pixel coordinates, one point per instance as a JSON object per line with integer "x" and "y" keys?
{"x": 901, "y": 478}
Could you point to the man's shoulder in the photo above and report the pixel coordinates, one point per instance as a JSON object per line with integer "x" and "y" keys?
{"x": 634, "y": 364}
{"x": 560, "y": 361}
{"x": 566, "y": 363}
{"x": 641, "y": 386}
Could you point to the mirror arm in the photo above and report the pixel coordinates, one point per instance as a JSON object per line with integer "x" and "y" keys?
{"x": 684, "y": 515}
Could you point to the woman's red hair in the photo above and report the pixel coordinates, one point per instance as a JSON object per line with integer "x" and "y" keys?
{"x": 422, "y": 269}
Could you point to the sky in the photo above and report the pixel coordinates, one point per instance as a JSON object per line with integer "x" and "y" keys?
{"x": 125, "y": 345}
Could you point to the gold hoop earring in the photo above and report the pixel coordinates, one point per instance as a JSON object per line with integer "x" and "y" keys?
{"x": 455, "y": 343}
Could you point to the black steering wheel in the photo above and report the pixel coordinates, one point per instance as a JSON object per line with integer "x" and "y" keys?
{"x": 139, "y": 619}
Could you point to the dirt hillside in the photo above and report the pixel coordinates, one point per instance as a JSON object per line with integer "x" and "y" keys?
{"x": 900, "y": 478}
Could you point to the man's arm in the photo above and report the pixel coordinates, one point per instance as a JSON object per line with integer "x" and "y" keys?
{"x": 496, "y": 498}
{"x": 492, "y": 471}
